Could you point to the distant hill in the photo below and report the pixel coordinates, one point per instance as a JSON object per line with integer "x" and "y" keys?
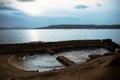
{"x": 68, "y": 26}
{"x": 81, "y": 27}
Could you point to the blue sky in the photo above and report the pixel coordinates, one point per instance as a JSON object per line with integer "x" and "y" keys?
{"x": 39, "y": 13}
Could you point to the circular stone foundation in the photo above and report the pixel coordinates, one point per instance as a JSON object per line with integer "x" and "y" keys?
{"x": 47, "y": 62}
{"x": 42, "y": 62}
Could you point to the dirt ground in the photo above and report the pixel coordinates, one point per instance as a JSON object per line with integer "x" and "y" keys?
{"x": 106, "y": 67}
{"x": 96, "y": 69}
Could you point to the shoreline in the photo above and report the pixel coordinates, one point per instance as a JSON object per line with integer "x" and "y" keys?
{"x": 94, "y": 69}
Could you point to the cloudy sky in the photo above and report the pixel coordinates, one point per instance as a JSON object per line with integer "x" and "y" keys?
{"x": 38, "y": 13}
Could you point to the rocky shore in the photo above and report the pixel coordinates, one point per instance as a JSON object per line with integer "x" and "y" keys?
{"x": 98, "y": 67}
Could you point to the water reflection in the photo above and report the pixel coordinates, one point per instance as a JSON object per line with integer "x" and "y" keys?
{"x": 47, "y": 35}
{"x": 34, "y": 35}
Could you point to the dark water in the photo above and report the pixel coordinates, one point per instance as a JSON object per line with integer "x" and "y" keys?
{"x": 47, "y": 35}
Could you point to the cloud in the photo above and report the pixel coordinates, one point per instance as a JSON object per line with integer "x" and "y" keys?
{"x": 25, "y": 0}
{"x": 7, "y": 7}
{"x": 4, "y": 2}
{"x": 10, "y": 10}
{"x": 81, "y": 6}
{"x": 98, "y": 4}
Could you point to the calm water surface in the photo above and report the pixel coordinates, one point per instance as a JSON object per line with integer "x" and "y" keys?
{"x": 48, "y": 35}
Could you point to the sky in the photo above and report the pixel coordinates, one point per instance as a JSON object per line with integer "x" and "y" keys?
{"x": 40, "y": 13}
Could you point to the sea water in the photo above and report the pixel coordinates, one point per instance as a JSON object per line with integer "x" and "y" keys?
{"x": 51, "y": 35}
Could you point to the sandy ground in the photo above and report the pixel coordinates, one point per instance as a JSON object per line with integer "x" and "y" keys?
{"x": 96, "y": 69}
